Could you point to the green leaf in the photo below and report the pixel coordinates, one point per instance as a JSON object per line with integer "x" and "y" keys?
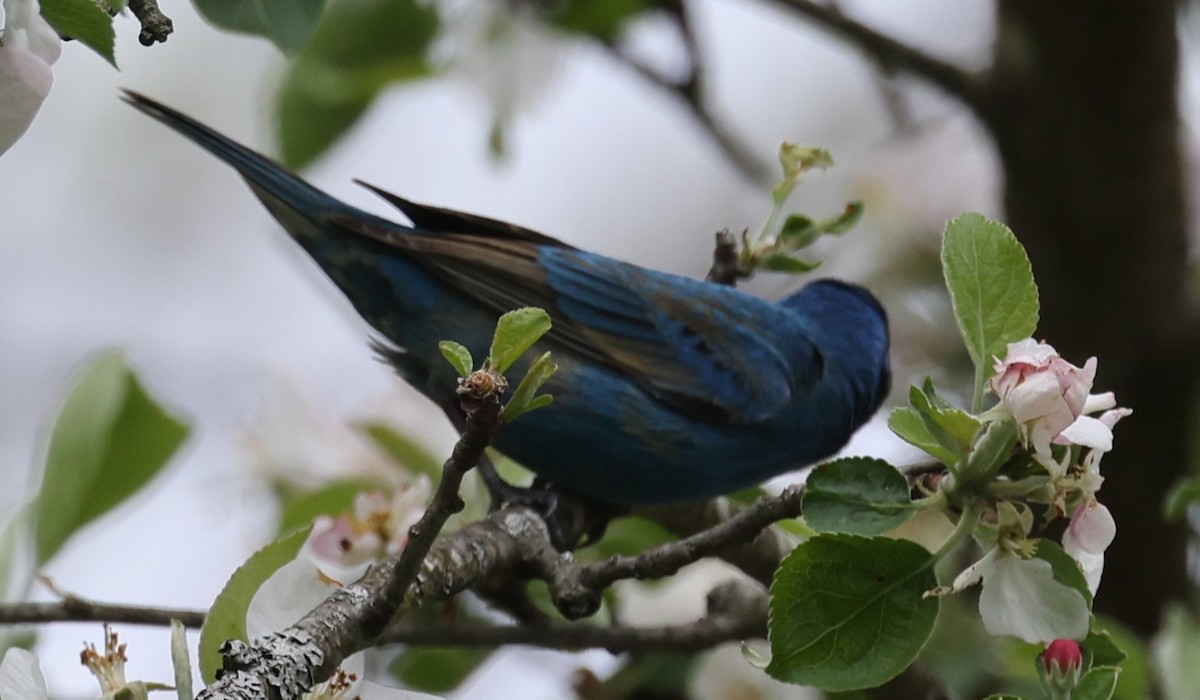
{"x": 286, "y": 23}
{"x": 412, "y": 457}
{"x": 1000, "y": 696}
{"x": 1183, "y": 495}
{"x": 1066, "y": 570}
{"x": 1097, "y": 684}
{"x": 359, "y": 48}
{"x": 798, "y": 231}
{"x": 991, "y": 288}
{"x": 849, "y": 612}
{"x": 110, "y": 438}
{"x": 226, "y": 618}
{"x": 909, "y": 426}
{"x": 786, "y": 262}
{"x": 859, "y": 495}
{"x": 332, "y": 499}
{"x": 1103, "y": 648}
{"x": 516, "y": 332}
{"x": 437, "y": 669}
{"x": 83, "y": 20}
{"x": 843, "y": 222}
{"x": 1112, "y": 644}
{"x": 603, "y": 19}
{"x": 523, "y": 399}
{"x": 955, "y": 430}
{"x": 181, "y": 660}
{"x": 458, "y": 356}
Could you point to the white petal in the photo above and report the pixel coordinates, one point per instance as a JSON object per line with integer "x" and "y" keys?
{"x": 25, "y": 29}
{"x": 288, "y": 595}
{"x": 25, "y": 81}
{"x": 1089, "y": 432}
{"x": 1100, "y": 402}
{"x": 974, "y": 573}
{"x": 1021, "y": 598}
{"x": 1092, "y": 529}
{"x": 21, "y": 677}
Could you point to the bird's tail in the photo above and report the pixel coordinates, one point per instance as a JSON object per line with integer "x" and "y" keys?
{"x": 284, "y": 193}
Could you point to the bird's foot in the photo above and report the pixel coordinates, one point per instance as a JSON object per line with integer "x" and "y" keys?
{"x": 572, "y": 520}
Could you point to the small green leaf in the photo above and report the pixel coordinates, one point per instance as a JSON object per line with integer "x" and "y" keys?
{"x": 1066, "y": 570}
{"x": 955, "y": 430}
{"x": 908, "y": 425}
{"x": 226, "y": 618}
{"x": 786, "y": 262}
{"x": 109, "y": 440}
{"x": 437, "y": 669}
{"x": 524, "y": 399}
{"x": 181, "y": 660}
{"x": 849, "y": 612}
{"x": 991, "y": 288}
{"x": 516, "y": 332}
{"x": 1104, "y": 650}
{"x": 858, "y": 495}
{"x": 1097, "y": 684}
{"x": 1183, "y": 495}
{"x": 458, "y": 356}
{"x": 359, "y": 48}
{"x": 844, "y": 221}
{"x": 84, "y": 20}
{"x": 286, "y": 23}
{"x": 798, "y": 231}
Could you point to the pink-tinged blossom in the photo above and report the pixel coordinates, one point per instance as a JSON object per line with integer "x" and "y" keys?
{"x": 1091, "y": 531}
{"x": 1044, "y": 393}
{"x": 28, "y": 47}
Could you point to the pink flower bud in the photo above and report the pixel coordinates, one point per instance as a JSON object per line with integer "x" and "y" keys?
{"x": 1061, "y": 662}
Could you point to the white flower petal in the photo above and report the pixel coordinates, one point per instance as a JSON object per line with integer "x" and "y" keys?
{"x": 288, "y": 595}
{"x": 1100, "y": 402}
{"x": 21, "y": 677}
{"x": 1089, "y": 432}
{"x": 25, "y": 29}
{"x": 1021, "y": 598}
{"x": 25, "y": 81}
{"x": 1092, "y": 529}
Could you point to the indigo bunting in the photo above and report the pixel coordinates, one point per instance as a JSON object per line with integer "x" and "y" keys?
{"x": 668, "y": 388}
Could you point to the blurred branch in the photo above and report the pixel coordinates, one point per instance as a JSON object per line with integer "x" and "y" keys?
{"x": 891, "y": 55}
{"x": 690, "y": 91}
{"x": 735, "y": 611}
{"x": 79, "y": 610}
{"x": 156, "y": 26}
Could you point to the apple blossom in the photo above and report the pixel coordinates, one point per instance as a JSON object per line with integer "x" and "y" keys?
{"x": 21, "y": 676}
{"x": 28, "y": 47}
{"x": 1044, "y": 393}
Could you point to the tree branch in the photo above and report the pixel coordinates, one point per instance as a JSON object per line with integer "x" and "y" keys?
{"x": 81, "y": 610}
{"x": 890, "y": 54}
{"x": 735, "y": 611}
{"x": 156, "y": 26}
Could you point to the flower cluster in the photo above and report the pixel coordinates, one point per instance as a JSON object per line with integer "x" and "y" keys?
{"x": 1049, "y": 401}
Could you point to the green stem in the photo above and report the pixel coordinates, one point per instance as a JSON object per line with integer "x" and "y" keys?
{"x": 966, "y": 524}
{"x": 980, "y": 383}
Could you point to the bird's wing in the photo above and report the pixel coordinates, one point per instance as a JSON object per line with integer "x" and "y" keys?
{"x": 685, "y": 341}
{"x": 433, "y": 219}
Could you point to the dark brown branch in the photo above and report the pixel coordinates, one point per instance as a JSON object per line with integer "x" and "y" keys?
{"x": 735, "y": 611}
{"x": 156, "y": 26}
{"x": 80, "y": 610}
{"x": 890, "y": 54}
{"x": 288, "y": 663}
{"x": 665, "y": 560}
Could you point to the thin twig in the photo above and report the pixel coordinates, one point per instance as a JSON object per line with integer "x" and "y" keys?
{"x": 890, "y": 54}
{"x": 80, "y": 610}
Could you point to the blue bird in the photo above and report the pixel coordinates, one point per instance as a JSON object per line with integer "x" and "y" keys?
{"x": 667, "y": 389}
